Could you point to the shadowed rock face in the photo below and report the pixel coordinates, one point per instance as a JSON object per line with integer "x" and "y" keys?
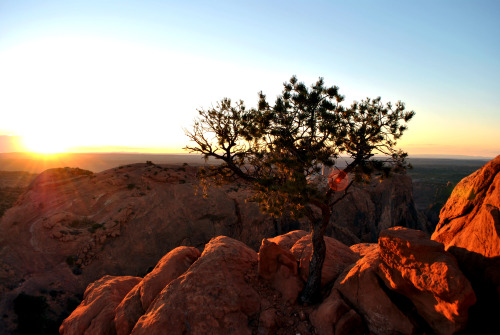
{"x": 368, "y": 210}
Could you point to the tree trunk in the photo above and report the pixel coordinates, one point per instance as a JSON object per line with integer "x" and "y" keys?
{"x": 312, "y": 291}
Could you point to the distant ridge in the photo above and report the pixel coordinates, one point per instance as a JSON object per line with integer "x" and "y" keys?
{"x": 465, "y": 157}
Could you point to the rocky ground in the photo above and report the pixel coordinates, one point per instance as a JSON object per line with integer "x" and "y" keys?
{"x": 73, "y": 227}
{"x": 406, "y": 283}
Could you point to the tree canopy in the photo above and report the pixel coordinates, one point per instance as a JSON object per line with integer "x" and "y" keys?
{"x": 278, "y": 148}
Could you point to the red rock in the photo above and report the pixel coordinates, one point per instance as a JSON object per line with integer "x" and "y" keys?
{"x": 280, "y": 267}
{"x": 171, "y": 266}
{"x": 361, "y": 249}
{"x": 128, "y": 311}
{"x": 369, "y": 209}
{"x": 213, "y": 296}
{"x": 469, "y": 227}
{"x": 288, "y": 240}
{"x": 470, "y": 219}
{"x": 338, "y": 257}
{"x": 335, "y": 317}
{"x": 96, "y": 313}
{"x": 361, "y": 287}
{"x": 267, "y": 321}
{"x": 420, "y": 269}
{"x": 137, "y": 301}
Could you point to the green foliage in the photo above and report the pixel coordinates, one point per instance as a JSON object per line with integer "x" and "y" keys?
{"x": 278, "y": 147}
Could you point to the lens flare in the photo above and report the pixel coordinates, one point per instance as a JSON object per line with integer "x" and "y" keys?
{"x": 338, "y": 180}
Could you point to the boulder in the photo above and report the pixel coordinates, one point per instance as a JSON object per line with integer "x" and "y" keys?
{"x": 470, "y": 219}
{"x": 335, "y": 317}
{"x": 170, "y": 266}
{"x": 361, "y": 287}
{"x": 361, "y": 249}
{"x": 288, "y": 240}
{"x": 137, "y": 301}
{"x": 280, "y": 268}
{"x": 338, "y": 257}
{"x": 469, "y": 227}
{"x": 214, "y": 295}
{"x": 128, "y": 311}
{"x": 421, "y": 270}
{"x": 96, "y": 313}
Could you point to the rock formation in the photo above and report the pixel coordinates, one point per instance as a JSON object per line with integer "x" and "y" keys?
{"x": 469, "y": 227}
{"x": 71, "y": 227}
{"x": 421, "y": 270}
{"x": 361, "y": 286}
{"x": 408, "y": 284}
{"x": 470, "y": 218}
{"x": 369, "y": 209}
{"x": 338, "y": 257}
{"x": 96, "y": 313}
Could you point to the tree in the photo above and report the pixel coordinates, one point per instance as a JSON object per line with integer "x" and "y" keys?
{"x": 278, "y": 149}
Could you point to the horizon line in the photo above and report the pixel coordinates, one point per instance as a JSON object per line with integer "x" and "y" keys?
{"x": 430, "y": 156}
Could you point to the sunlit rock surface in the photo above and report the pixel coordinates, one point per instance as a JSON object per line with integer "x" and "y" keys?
{"x": 469, "y": 227}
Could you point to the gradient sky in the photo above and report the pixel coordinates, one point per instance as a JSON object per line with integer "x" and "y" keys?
{"x": 129, "y": 75}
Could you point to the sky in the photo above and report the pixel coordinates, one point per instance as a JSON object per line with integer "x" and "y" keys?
{"x": 101, "y": 76}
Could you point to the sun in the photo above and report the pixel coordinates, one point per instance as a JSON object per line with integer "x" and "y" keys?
{"x": 44, "y": 144}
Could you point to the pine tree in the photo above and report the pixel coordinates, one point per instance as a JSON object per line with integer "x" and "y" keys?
{"x": 279, "y": 148}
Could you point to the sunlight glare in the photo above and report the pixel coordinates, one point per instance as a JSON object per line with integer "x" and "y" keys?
{"x": 43, "y": 144}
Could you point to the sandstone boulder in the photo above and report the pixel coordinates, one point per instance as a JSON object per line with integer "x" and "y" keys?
{"x": 96, "y": 313}
{"x": 362, "y": 288}
{"x": 338, "y": 257}
{"x": 128, "y": 311}
{"x": 138, "y": 300}
{"x": 171, "y": 266}
{"x": 469, "y": 227}
{"x": 470, "y": 219}
{"x": 335, "y": 317}
{"x": 361, "y": 249}
{"x": 288, "y": 240}
{"x": 421, "y": 270}
{"x": 280, "y": 268}
{"x": 213, "y": 296}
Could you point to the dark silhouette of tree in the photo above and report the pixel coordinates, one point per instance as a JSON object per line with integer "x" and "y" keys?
{"x": 279, "y": 148}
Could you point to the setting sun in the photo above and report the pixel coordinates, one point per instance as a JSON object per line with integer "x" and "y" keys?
{"x": 44, "y": 145}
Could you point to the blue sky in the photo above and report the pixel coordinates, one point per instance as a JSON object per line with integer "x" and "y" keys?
{"x": 131, "y": 74}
